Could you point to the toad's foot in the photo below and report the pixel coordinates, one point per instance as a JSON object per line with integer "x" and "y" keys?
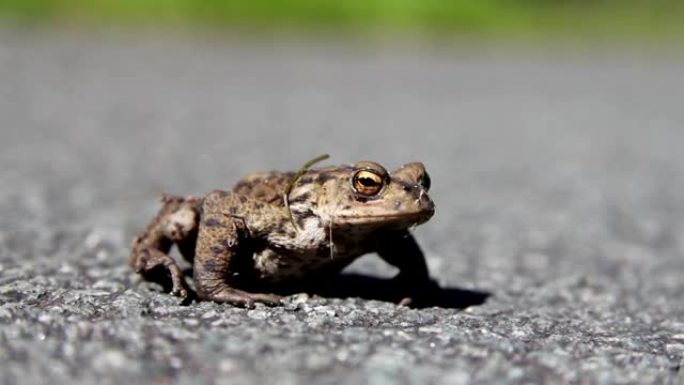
{"x": 236, "y": 297}
{"x": 147, "y": 262}
{"x": 414, "y": 292}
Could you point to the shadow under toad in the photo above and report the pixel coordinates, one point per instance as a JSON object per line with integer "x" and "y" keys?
{"x": 348, "y": 285}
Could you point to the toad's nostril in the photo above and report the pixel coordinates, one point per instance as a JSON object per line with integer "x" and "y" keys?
{"x": 425, "y": 181}
{"x": 426, "y": 202}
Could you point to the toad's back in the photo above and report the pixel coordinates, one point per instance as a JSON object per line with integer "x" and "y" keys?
{"x": 268, "y": 187}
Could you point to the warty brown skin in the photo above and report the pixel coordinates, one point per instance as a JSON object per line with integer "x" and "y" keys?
{"x": 247, "y": 242}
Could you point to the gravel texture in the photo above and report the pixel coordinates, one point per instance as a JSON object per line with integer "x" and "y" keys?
{"x": 558, "y": 179}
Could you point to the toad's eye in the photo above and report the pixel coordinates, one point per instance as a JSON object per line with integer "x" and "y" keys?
{"x": 367, "y": 182}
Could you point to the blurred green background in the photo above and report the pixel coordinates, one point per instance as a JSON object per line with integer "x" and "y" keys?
{"x": 530, "y": 19}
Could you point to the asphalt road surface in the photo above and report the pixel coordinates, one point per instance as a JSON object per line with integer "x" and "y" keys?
{"x": 558, "y": 238}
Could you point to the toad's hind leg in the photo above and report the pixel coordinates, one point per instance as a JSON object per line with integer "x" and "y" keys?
{"x": 177, "y": 222}
{"x": 220, "y": 250}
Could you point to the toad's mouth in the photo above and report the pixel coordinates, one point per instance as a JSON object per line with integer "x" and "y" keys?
{"x": 416, "y": 217}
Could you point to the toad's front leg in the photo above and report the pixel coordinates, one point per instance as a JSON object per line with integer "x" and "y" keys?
{"x": 415, "y": 288}
{"x": 218, "y": 250}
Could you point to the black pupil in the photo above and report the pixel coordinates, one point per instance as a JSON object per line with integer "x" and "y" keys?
{"x": 368, "y": 182}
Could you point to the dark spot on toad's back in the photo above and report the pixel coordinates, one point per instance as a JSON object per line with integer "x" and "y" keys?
{"x": 324, "y": 178}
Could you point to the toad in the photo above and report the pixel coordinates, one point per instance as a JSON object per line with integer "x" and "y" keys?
{"x": 280, "y": 230}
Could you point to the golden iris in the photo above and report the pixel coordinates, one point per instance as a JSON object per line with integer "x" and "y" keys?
{"x": 367, "y": 182}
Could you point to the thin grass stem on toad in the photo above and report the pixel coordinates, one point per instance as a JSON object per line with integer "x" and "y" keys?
{"x": 291, "y": 183}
